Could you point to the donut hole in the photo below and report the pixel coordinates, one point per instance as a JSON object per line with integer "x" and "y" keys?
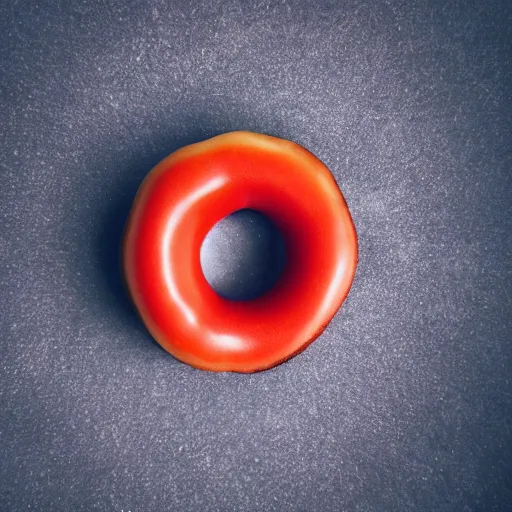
{"x": 243, "y": 255}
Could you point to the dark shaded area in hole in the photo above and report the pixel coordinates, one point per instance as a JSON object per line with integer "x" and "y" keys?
{"x": 243, "y": 255}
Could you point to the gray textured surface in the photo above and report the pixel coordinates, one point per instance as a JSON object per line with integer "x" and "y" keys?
{"x": 405, "y": 402}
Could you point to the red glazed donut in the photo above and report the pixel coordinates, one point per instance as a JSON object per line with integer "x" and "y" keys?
{"x": 184, "y": 196}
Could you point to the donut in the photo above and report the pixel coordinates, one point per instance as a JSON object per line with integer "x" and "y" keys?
{"x": 178, "y": 203}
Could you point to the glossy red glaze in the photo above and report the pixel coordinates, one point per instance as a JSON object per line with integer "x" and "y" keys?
{"x": 184, "y": 196}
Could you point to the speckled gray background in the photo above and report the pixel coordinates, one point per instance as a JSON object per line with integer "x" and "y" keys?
{"x": 404, "y": 404}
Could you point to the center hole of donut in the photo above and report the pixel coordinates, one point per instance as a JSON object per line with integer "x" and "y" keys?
{"x": 243, "y": 255}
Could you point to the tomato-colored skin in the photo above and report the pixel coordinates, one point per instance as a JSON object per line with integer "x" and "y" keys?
{"x": 184, "y": 196}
